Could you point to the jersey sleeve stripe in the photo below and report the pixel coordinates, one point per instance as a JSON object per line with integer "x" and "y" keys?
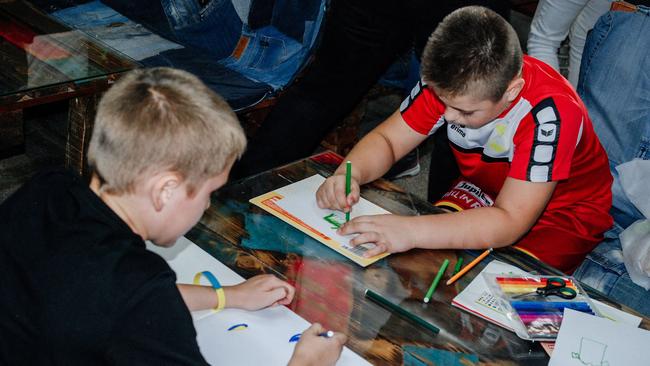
{"x": 545, "y": 140}
{"x": 408, "y": 101}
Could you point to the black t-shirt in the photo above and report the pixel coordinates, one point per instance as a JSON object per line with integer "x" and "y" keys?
{"x": 79, "y": 287}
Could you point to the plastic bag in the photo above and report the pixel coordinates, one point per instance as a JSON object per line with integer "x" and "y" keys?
{"x": 535, "y": 304}
{"x": 635, "y": 242}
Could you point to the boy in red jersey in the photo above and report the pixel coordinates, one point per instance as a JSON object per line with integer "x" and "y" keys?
{"x": 532, "y": 171}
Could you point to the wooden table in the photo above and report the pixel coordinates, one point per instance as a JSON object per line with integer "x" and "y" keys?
{"x": 330, "y": 288}
{"x": 44, "y": 61}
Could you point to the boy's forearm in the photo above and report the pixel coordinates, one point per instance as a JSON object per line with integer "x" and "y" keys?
{"x": 486, "y": 227}
{"x": 198, "y": 297}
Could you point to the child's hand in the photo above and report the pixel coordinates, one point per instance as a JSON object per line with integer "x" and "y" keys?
{"x": 259, "y": 292}
{"x": 389, "y": 233}
{"x": 313, "y": 349}
{"x": 331, "y": 194}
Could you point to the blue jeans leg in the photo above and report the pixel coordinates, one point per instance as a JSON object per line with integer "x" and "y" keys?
{"x": 604, "y": 270}
{"x": 615, "y": 86}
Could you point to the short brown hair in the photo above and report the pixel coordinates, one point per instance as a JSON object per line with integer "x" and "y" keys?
{"x": 472, "y": 49}
{"x": 162, "y": 119}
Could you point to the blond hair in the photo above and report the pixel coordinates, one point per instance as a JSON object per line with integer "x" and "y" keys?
{"x": 472, "y": 51}
{"x": 162, "y": 119}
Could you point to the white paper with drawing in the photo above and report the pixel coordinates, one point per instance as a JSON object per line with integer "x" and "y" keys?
{"x": 296, "y": 205}
{"x": 238, "y": 337}
{"x": 589, "y": 340}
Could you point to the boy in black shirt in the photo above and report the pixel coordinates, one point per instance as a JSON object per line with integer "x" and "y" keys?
{"x": 78, "y": 285}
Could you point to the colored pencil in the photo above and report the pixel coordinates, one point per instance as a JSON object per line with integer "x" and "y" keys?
{"x": 526, "y": 319}
{"x": 434, "y": 284}
{"x": 524, "y": 286}
{"x": 529, "y": 281}
{"x": 348, "y": 186}
{"x": 469, "y": 266}
{"x": 459, "y": 263}
{"x": 400, "y": 311}
{"x": 550, "y": 305}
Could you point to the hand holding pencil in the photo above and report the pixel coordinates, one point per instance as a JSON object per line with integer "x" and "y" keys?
{"x": 315, "y": 348}
{"x": 332, "y": 194}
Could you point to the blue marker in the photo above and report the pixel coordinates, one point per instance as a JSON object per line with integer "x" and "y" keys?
{"x": 296, "y": 337}
{"x": 542, "y": 305}
{"x": 328, "y": 334}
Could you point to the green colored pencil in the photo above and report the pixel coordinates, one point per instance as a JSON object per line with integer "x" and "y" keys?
{"x": 434, "y": 284}
{"x": 459, "y": 263}
{"x": 348, "y": 186}
{"x": 400, "y": 311}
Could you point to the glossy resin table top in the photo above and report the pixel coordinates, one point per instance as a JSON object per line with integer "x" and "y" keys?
{"x": 44, "y": 59}
{"x": 330, "y": 288}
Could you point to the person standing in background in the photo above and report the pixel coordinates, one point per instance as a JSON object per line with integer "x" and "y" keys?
{"x": 553, "y": 21}
{"x": 614, "y": 85}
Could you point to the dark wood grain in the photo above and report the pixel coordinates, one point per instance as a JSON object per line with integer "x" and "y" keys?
{"x": 80, "y": 121}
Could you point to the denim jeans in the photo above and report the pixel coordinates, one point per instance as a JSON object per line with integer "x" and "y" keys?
{"x": 615, "y": 86}
{"x": 275, "y": 36}
{"x": 604, "y": 270}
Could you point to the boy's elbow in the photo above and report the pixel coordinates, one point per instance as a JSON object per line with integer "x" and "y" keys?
{"x": 511, "y": 228}
{"x": 389, "y": 146}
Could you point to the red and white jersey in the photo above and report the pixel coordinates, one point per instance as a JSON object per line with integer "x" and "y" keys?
{"x": 545, "y": 135}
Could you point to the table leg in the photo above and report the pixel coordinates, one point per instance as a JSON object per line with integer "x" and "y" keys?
{"x": 12, "y": 136}
{"x": 81, "y": 117}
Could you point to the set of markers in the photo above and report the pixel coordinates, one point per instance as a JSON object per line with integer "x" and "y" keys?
{"x": 537, "y": 303}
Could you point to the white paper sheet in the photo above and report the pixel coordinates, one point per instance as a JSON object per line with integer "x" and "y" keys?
{"x": 300, "y": 200}
{"x": 296, "y": 205}
{"x": 589, "y": 340}
{"x": 266, "y": 339}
